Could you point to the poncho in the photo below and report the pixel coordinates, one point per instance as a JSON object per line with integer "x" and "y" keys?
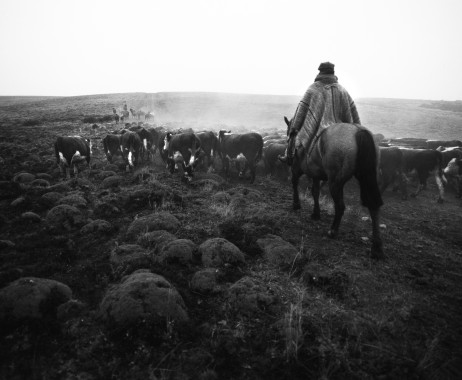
{"x": 325, "y": 102}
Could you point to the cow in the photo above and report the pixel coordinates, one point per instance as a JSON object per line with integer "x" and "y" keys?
{"x": 209, "y": 147}
{"x": 250, "y": 145}
{"x": 186, "y": 144}
{"x": 272, "y": 163}
{"x": 449, "y": 153}
{"x": 454, "y": 170}
{"x": 433, "y": 144}
{"x": 70, "y": 151}
{"x": 391, "y": 168}
{"x": 111, "y": 144}
{"x": 424, "y": 161}
{"x": 130, "y": 145}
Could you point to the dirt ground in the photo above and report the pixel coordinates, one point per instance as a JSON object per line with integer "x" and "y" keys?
{"x": 331, "y": 313}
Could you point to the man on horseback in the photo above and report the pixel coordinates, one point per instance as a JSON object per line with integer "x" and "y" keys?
{"x": 323, "y": 94}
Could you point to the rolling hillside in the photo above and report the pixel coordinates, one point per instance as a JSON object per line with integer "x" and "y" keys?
{"x": 391, "y": 117}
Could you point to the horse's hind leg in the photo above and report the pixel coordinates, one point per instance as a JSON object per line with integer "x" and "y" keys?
{"x": 376, "y": 249}
{"x": 336, "y": 191}
{"x": 315, "y": 190}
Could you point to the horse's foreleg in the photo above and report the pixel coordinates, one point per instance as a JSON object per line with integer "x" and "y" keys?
{"x": 336, "y": 191}
{"x": 315, "y": 190}
{"x": 296, "y": 197}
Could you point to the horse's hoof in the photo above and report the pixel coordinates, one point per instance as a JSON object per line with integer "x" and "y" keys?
{"x": 377, "y": 253}
{"x": 296, "y": 206}
{"x": 315, "y": 216}
{"x": 332, "y": 234}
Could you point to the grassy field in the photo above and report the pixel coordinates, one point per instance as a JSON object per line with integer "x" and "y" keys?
{"x": 290, "y": 303}
{"x": 391, "y": 117}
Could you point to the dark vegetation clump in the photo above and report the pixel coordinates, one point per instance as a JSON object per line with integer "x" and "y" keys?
{"x": 31, "y": 122}
{"x": 98, "y": 119}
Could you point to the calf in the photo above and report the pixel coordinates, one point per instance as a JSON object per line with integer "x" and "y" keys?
{"x": 186, "y": 144}
{"x": 392, "y": 167}
{"x": 111, "y": 144}
{"x": 272, "y": 163}
{"x": 424, "y": 161}
{"x": 209, "y": 147}
{"x": 70, "y": 151}
{"x": 454, "y": 170}
{"x": 250, "y": 145}
{"x": 130, "y": 145}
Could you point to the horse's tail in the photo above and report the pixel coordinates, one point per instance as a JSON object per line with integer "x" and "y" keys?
{"x": 366, "y": 170}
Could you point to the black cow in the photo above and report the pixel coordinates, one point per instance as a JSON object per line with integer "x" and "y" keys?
{"x": 186, "y": 144}
{"x": 250, "y": 145}
{"x": 146, "y": 140}
{"x": 454, "y": 170}
{"x": 209, "y": 147}
{"x": 392, "y": 168}
{"x": 131, "y": 148}
{"x": 70, "y": 151}
{"x": 272, "y": 164}
{"x": 424, "y": 161}
{"x": 112, "y": 146}
{"x": 433, "y": 144}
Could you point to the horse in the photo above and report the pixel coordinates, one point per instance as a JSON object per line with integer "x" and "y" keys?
{"x": 133, "y": 112}
{"x": 140, "y": 113}
{"x": 126, "y": 114}
{"x": 335, "y": 154}
{"x": 148, "y": 116}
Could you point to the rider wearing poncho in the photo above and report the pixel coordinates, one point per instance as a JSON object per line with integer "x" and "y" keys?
{"x": 325, "y": 102}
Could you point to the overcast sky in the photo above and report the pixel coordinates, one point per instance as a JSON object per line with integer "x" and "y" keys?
{"x": 391, "y": 48}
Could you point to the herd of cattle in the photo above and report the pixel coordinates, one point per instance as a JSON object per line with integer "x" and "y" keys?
{"x": 139, "y": 142}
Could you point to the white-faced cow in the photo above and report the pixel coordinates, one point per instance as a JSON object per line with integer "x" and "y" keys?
{"x": 250, "y": 145}
{"x": 391, "y": 168}
{"x": 449, "y": 153}
{"x": 454, "y": 170}
{"x": 146, "y": 140}
{"x": 130, "y": 145}
{"x": 209, "y": 148}
{"x": 186, "y": 144}
{"x": 111, "y": 144}
{"x": 70, "y": 151}
{"x": 424, "y": 161}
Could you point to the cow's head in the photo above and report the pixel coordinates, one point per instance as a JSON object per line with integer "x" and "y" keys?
{"x": 454, "y": 168}
{"x": 77, "y": 158}
{"x": 167, "y": 139}
{"x": 221, "y": 134}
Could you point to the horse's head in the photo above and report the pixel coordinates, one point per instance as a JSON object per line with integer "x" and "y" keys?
{"x": 291, "y": 135}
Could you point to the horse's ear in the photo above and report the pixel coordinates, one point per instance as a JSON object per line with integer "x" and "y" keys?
{"x": 287, "y": 121}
